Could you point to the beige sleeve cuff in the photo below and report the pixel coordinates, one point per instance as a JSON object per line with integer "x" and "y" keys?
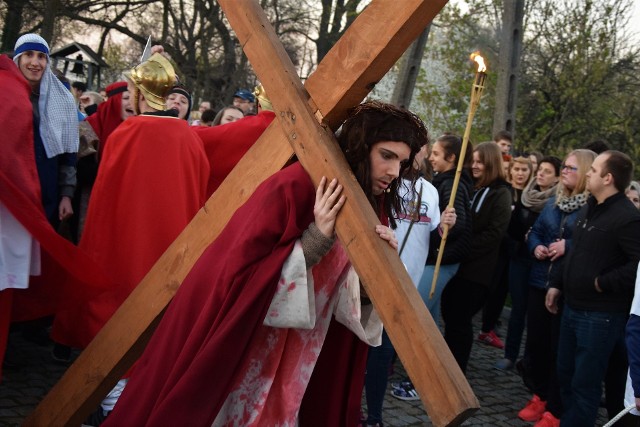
{"x": 315, "y": 245}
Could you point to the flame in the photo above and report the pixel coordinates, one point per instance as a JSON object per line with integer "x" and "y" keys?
{"x": 475, "y": 56}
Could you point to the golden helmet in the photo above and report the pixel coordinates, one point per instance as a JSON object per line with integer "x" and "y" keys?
{"x": 154, "y": 78}
{"x": 261, "y": 96}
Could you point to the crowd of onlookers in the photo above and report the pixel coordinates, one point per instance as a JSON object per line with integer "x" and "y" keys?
{"x": 556, "y": 240}
{"x": 541, "y": 231}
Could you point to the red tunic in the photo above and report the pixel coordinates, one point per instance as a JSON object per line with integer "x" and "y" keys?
{"x": 226, "y": 144}
{"x": 151, "y": 182}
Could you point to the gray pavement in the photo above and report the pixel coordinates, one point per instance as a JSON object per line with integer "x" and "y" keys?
{"x": 501, "y": 394}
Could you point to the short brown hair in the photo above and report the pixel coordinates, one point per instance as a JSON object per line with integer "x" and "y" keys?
{"x": 620, "y": 166}
{"x": 503, "y": 134}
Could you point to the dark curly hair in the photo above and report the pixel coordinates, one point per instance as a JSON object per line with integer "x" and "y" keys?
{"x": 372, "y": 122}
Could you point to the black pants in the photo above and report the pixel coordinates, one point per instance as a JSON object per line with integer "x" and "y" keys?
{"x": 496, "y": 298}
{"x": 543, "y": 331}
{"x": 461, "y": 300}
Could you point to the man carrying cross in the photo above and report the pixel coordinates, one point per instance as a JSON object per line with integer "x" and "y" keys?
{"x": 246, "y": 327}
{"x": 305, "y": 122}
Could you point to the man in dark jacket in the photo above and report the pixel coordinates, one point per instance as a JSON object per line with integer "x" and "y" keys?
{"x": 597, "y": 283}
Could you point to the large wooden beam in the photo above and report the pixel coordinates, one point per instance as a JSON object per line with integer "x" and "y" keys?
{"x": 342, "y": 80}
{"x": 416, "y": 338}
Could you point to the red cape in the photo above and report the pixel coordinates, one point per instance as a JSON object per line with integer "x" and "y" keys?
{"x": 19, "y": 184}
{"x": 226, "y": 144}
{"x": 17, "y": 165}
{"x": 195, "y": 352}
{"x": 151, "y": 182}
{"x": 337, "y": 376}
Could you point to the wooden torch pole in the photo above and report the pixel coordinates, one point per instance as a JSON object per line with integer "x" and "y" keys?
{"x": 476, "y": 94}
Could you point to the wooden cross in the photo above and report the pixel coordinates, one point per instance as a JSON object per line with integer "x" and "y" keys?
{"x": 306, "y": 118}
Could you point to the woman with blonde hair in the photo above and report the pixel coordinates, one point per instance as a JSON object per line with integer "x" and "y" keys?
{"x": 527, "y": 208}
{"x": 633, "y": 193}
{"x": 548, "y": 242}
{"x": 520, "y": 174}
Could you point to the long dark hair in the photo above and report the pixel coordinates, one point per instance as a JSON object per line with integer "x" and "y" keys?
{"x": 452, "y": 146}
{"x": 372, "y": 122}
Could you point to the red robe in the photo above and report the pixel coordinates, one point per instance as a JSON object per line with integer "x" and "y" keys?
{"x": 226, "y": 144}
{"x": 151, "y": 182}
{"x": 192, "y": 361}
{"x": 337, "y": 376}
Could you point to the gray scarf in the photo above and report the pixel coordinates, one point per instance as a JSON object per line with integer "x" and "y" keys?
{"x": 533, "y": 198}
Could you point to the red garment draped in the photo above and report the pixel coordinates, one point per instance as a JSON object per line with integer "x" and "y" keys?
{"x": 20, "y": 193}
{"x": 226, "y": 144}
{"x": 109, "y": 115}
{"x": 334, "y": 393}
{"x": 151, "y": 182}
{"x": 189, "y": 366}
{"x": 195, "y": 356}
{"x": 19, "y": 184}
{"x": 337, "y": 376}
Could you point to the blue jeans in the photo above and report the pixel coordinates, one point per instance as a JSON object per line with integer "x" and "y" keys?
{"x": 586, "y": 341}
{"x": 375, "y": 381}
{"x": 424, "y": 287}
{"x": 519, "y": 269}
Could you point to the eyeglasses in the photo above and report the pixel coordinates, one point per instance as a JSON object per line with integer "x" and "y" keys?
{"x": 569, "y": 168}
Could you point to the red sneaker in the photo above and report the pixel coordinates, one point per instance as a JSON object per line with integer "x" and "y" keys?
{"x": 547, "y": 420}
{"x": 534, "y": 410}
{"x": 490, "y": 338}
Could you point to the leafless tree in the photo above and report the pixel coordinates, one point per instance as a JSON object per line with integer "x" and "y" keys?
{"x": 194, "y": 33}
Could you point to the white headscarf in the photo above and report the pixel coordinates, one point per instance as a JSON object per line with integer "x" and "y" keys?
{"x": 58, "y": 115}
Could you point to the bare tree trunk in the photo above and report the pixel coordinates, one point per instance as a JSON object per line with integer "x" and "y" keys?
{"x": 409, "y": 69}
{"x": 48, "y": 22}
{"x": 12, "y": 25}
{"x": 331, "y": 30}
{"x": 504, "y": 117}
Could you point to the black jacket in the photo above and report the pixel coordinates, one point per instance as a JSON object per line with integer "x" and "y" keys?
{"x": 458, "y": 243}
{"x": 606, "y": 245}
{"x": 491, "y": 213}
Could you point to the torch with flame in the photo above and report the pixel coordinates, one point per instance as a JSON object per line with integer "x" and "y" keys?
{"x": 476, "y": 93}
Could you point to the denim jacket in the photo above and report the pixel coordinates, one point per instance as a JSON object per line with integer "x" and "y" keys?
{"x": 551, "y": 225}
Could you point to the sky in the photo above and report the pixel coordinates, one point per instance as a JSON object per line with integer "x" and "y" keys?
{"x": 635, "y": 21}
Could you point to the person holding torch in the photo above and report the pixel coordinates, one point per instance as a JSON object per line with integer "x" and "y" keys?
{"x": 467, "y": 291}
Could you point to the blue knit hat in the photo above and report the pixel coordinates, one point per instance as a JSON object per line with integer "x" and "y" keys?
{"x": 58, "y": 112}
{"x": 30, "y": 42}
